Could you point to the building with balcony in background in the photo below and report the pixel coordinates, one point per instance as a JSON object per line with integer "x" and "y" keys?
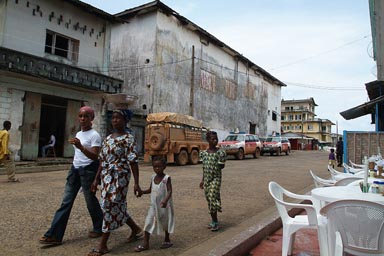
{"x": 298, "y": 117}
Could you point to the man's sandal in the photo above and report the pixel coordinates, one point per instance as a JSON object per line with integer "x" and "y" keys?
{"x": 94, "y": 234}
{"x": 49, "y": 240}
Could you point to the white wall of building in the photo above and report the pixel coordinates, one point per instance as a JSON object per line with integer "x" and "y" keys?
{"x": 29, "y": 35}
{"x": 232, "y": 101}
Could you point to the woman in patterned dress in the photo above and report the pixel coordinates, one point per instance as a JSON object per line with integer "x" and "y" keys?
{"x": 117, "y": 161}
{"x": 213, "y": 160}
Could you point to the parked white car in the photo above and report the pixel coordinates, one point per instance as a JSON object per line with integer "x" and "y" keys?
{"x": 240, "y": 145}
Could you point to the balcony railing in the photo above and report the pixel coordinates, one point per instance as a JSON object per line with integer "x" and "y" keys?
{"x": 22, "y": 63}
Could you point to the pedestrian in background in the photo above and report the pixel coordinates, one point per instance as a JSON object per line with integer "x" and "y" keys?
{"x": 213, "y": 160}
{"x": 332, "y": 158}
{"x": 160, "y": 217}
{"x": 6, "y": 156}
{"x": 51, "y": 143}
{"x": 83, "y": 171}
{"x": 118, "y": 161}
{"x": 339, "y": 152}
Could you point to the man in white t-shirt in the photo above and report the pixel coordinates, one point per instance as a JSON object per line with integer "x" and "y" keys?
{"x": 87, "y": 144}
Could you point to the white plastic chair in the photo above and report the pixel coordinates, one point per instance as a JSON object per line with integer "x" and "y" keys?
{"x": 346, "y": 181}
{"x": 335, "y": 173}
{"x": 320, "y": 182}
{"x": 360, "y": 224}
{"x": 357, "y": 166}
{"x": 292, "y": 224}
{"x": 351, "y": 169}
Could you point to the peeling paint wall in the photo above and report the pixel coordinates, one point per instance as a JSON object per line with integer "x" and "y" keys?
{"x": 191, "y": 75}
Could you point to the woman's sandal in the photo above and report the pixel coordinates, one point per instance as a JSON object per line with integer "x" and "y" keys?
{"x": 49, "y": 240}
{"x": 140, "y": 248}
{"x": 135, "y": 237}
{"x": 97, "y": 252}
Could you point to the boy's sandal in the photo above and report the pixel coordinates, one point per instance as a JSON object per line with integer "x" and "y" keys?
{"x": 166, "y": 245}
{"x": 49, "y": 240}
{"x": 140, "y": 248}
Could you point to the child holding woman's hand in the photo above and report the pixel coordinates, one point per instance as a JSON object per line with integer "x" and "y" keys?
{"x": 160, "y": 217}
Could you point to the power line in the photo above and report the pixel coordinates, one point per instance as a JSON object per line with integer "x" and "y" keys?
{"x": 319, "y": 54}
{"x": 321, "y": 87}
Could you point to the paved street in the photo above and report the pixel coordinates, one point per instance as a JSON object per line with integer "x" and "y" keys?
{"x": 27, "y": 207}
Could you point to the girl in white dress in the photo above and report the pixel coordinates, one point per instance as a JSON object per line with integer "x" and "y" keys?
{"x": 160, "y": 217}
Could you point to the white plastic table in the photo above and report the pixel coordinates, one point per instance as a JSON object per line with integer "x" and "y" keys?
{"x": 332, "y": 194}
{"x": 326, "y": 195}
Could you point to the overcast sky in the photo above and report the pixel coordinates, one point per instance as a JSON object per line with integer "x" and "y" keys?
{"x": 320, "y": 49}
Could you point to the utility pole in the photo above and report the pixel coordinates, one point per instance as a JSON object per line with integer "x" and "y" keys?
{"x": 192, "y": 91}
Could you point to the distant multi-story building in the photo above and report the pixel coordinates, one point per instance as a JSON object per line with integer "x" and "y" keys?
{"x": 298, "y": 116}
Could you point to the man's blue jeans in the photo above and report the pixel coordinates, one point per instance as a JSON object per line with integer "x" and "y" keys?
{"x": 77, "y": 177}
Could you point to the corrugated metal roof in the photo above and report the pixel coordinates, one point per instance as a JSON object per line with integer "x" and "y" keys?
{"x": 363, "y": 109}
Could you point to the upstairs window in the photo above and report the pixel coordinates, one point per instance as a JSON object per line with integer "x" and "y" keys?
{"x": 62, "y": 46}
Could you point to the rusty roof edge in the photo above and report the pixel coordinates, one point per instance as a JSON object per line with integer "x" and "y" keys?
{"x": 154, "y": 5}
{"x": 361, "y": 110}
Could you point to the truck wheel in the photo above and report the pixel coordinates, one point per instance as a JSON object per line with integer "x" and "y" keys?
{"x": 194, "y": 157}
{"x": 278, "y": 152}
{"x": 182, "y": 157}
{"x": 156, "y": 141}
{"x": 287, "y": 152}
{"x": 240, "y": 154}
{"x": 257, "y": 153}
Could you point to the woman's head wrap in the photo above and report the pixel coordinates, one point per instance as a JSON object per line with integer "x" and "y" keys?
{"x": 89, "y": 110}
{"x": 126, "y": 113}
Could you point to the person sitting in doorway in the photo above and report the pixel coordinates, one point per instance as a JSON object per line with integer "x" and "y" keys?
{"x": 51, "y": 143}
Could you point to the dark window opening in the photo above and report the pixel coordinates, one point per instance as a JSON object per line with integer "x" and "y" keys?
{"x": 274, "y": 116}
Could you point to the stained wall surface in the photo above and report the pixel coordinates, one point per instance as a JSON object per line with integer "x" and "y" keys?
{"x": 173, "y": 68}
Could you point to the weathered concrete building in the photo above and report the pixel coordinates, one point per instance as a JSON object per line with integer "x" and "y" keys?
{"x": 172, "y": 64}
{"x": 54, "y": 58}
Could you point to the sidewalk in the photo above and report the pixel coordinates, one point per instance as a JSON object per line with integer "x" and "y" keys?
{"x": 306, "y": 244}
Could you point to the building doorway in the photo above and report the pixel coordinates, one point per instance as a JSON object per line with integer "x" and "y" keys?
{"x": 52, "y": 121}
